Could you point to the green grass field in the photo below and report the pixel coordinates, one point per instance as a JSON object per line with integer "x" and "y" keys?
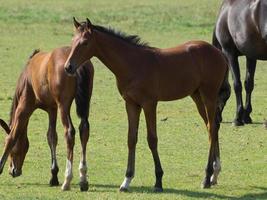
{"x": 183, "y": 140}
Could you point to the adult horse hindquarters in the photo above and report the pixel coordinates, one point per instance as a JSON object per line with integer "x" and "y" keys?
{"x": 44, "y": 84}
{"x": 241, "y": 29}
{"x": 146, "y": 75}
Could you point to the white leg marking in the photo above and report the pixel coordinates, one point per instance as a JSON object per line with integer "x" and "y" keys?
{"x": 83, "y": 171}
{"x": 216, "y": 171}
{"x": 125, "y": 184}
{"x": 68, "y": 176}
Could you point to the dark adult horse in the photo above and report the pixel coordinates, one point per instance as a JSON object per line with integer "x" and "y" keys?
{"x": 241, "y": 29}
{"x": 146, "y": 75}
{"x": 44, "y": 84}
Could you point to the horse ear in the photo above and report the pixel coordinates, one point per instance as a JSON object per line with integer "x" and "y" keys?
{"x": 5, "y": 126}
{"x": 88, "y": 23}
{"x": 76, "y": 23}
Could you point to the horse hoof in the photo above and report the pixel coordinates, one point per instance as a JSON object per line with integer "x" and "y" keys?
{"x": 123, "y": 189}
{"x": 237, "y": 122}
{"x": 205, "y": 184}
{"x": 213, "y": 182}
{"x": 158, "y": 189}
{"x": 54, "y": 182}
{"x": 84, "y": 186}
{"x": 65, "y": 187}
{"x": 247, "y": 120}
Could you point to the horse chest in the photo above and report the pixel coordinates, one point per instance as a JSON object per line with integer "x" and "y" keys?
{"x": 137, "y": 90}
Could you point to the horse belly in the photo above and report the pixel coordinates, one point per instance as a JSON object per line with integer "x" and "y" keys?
{"x": 176, "y": 87}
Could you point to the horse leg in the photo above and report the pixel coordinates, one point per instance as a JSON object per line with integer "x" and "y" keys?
{"x": 20, "y": 122}
{"x": 200, "y": 106}
{"x": 70, "y": 139}
{"x": 84, "y": 136}
{"x": 234, "y": 66}
{"x": 249, "y": 86}
{"x": 202, "y": 111}
{"x": 52, "y": 141}
{"x": 213, "y": 166}
{"x": 133, "y": 113}
{"x": 151, "y": 123}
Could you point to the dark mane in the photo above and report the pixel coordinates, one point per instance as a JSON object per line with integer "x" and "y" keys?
{"x": 21, "y": 85}
{"x": 131, "y": 39}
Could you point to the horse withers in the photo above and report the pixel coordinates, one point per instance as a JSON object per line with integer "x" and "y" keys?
{"x": 44, "y": 84}
{"x": 146, "y": 75}
{"x": 241, "y": 30}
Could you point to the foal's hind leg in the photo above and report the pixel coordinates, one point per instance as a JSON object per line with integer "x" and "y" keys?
{"x": 200, "y": 106}
{"x": 249, "y": 86}
{"x": 84, "y": 136}
{"x": 216, "y": 164}
{"x": 213, "y": 166}
{"x": 70, "y": 139}
{"x": 52, "y": 141}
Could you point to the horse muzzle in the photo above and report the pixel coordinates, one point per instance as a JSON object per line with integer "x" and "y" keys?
{"x": 15, "y": 172}
{"x": 69, "y": 69}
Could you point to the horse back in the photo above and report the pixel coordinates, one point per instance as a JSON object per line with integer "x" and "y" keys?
{"x": 185, "y": 68}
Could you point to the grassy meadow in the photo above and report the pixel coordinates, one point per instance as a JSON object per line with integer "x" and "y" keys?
{"x": 183, "y": 140}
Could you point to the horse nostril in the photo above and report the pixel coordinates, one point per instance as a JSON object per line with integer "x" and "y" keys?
{"x": 69, "y": 69}
{"x": 15, "y": 173}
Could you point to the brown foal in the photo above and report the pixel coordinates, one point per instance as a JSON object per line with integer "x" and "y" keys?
{"x": 146, "y": 75}
{"x": 44, "y": 84}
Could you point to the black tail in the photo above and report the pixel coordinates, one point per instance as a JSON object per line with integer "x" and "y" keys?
{"x": 85, "y": 75}
{"x": 225, "y": 90}
{"x": 224, "y": 94}
{"x": 215, "y": 41}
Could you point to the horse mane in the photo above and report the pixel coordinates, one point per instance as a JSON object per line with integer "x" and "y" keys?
{"x": 131, "y": 39}
{"x": 21, "y": 85}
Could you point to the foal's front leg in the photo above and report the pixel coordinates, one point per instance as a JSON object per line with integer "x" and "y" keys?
{"x": 84, "y": 136}
{"x": 52, "y": 141}
{"x": 150, "y": 110}
{"x": 133, "y": 113}
{"x": 70, "y": 139}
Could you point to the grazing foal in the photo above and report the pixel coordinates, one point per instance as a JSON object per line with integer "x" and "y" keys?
{"x": 241, "y": 30}
{"x": 146, "y": 75}
{"x": 44, "y": 84}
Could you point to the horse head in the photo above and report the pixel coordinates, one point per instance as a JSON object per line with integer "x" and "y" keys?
{"x": 18, "y": 152}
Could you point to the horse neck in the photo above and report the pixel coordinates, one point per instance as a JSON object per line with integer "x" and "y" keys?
{"x": 13, "y": 108}
{"x": 19, "y": 90}
{"x": 118, "y": 55}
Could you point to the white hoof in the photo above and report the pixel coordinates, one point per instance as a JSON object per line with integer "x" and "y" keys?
{"x": 65, "y": 187}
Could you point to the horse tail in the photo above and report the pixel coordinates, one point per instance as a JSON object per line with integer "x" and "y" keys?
{"x": 215, "y": 41}
{"x": 225, "y": 90}
{"x": 84, "y": 75}
{"x": 224, "y": 93}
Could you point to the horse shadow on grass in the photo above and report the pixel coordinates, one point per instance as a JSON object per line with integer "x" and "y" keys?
{"x": 185, "y": 193}
{"x": 99, "y": 188}
{"x": 253, "y": 123}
